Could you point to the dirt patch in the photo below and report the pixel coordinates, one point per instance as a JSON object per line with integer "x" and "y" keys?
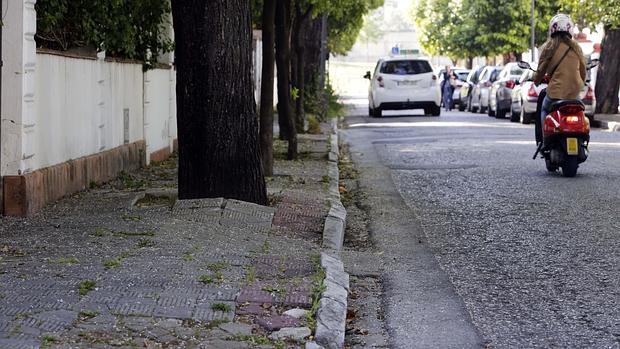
{"x": 365, "y": 317}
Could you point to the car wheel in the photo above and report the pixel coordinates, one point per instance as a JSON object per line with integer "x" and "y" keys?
{"x": 435, "y": 110}
{"x": 514, "y": 117}
{"x": 490, "y": 112}
{"x": 500, "y": 114}
{"x": 377, "y": 112}
{"x": 526, "y": 118}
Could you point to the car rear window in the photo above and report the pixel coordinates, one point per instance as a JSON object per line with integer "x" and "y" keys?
{"x": 405, "y": 67}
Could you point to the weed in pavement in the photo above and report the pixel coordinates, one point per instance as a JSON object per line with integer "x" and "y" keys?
{"x": 87, "y": 286}
{"x": 225, "y": 308}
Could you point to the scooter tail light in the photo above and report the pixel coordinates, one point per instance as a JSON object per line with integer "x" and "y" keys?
{"x": 510, "y": 84}
{"x": 572, "y": 120}
{"x": 532, "y": 91}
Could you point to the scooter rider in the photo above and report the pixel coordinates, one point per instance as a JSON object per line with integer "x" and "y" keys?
{"x": 562, "y": 63}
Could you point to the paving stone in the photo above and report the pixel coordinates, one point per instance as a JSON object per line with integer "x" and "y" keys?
{"x": 122, "y": 308}
{"x": 250, "y": 309}
{"x": 185, "y": 333}
{"x": 236, "y": 328}
{"x": 205, "y": 313}
{"x": 199, "y": 203}
{"x": 223, "y": 344}
{"x": 137, "y": 323}
{"x": 169, "y": 324}
{"x": 6, "y": 343}
{"x": 296, "y": 313}
{"x": 250, "y": 209}
{"x": 177, "y": 312}
{"x": 176, "y": 302}
{"x": 273, "y": 323}
{"x": 294, "y": 333}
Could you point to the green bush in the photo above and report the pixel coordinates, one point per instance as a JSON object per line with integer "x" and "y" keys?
{"x": 132, "y": 29}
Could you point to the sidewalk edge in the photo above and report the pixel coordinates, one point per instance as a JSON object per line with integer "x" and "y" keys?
{"x": 332, "y": 313}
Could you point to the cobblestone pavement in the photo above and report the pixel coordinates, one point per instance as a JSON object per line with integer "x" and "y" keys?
{"x": 123, "y": 265}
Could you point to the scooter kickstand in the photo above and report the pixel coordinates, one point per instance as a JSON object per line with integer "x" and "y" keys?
{"x": 540, "y": 146}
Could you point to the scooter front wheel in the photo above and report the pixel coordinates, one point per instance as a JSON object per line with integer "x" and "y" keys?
{"x": 569, "y": 169}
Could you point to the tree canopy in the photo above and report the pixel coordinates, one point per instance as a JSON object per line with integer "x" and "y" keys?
{"x": 472, "y": 28}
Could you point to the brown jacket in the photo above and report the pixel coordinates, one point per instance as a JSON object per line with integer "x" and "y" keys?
{"x": 569, "y": 77}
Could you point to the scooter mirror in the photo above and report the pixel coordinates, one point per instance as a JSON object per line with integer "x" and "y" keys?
{"x": 524, "y": 65}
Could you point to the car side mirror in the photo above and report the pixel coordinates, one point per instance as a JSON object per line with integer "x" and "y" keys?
{"x": 524, "y": 65}
{"x": 367, "y": 76}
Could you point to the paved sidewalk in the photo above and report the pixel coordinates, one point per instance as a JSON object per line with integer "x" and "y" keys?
{"x": 123, "y": 265}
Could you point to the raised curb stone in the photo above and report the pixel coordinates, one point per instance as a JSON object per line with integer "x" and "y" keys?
{"x": 332, "y": 313}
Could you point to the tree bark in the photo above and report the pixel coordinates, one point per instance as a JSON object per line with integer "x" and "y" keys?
{"x": 301, "y": 18}
{"x": 266, "y": 99}
{"x": 219, "y": 154}
{"x": 608, "y": 75}
{"x": 283, "y": 63}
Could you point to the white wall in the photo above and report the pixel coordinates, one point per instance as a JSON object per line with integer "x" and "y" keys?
{"x": 80, "y": 107}
{"x": 158, "y": 114}
{"x": 18, "y": 85}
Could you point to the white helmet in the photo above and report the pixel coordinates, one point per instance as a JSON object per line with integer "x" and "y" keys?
{"x": 561, "y": 23}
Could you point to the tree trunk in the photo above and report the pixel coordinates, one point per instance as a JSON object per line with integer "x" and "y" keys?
{"x": 469, "y": 62}
{"x": 266, "y": 95}
{"x": 312, "y": 67}
{"x": 219, "y": 154}
{"x": 283, "y": 63}
{"x": 608, "y": 75}
{"x": 299, "y": 28}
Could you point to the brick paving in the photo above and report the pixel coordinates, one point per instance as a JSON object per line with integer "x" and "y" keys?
{"x": 93, "y": 271}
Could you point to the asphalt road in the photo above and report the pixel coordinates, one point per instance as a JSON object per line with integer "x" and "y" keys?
{"x": 482, "y": 246}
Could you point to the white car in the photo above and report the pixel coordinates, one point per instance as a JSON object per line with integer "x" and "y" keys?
{"x": 400, "y": 83}
{"x": 525, "y": 98}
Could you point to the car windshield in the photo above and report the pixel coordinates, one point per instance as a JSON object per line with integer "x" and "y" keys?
{"x": 462, "y": 75}
{"x": 406, "y": 67}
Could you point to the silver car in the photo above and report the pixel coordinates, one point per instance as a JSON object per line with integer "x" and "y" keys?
{"x": 480, "y": 94}
{"x": 500, "y": 95}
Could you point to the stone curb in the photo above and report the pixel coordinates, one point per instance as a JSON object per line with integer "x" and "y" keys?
{"x": 332, "y": 314}
{"x": 335, "y": 222}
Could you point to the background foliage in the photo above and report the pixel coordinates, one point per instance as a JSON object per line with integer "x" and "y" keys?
{"x": 133, "y": 29}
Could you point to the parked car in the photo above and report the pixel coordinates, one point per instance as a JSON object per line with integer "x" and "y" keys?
{"x": 468, "y": 87}
{"x": 480, "y": 94}
{"x": 500, "y": 95}
{"x": 461, "y": 76}
{"x": 525, "y": 97}
{"x": 402, "y": 83}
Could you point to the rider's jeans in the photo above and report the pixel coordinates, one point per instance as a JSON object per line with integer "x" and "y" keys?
{"x": 545, "y": 108}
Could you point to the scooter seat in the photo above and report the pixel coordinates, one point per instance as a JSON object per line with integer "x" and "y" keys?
{"x": 563, "y": 102}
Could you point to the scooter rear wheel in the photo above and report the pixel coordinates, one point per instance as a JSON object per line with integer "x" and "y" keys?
{"x": 550, "y": 167}
{"x": 569, "y": 169}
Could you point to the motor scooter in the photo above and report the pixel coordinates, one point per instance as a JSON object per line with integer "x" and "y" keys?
{"x": 563, "y": 138}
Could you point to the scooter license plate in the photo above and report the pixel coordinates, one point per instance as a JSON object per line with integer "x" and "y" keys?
{"x": 572, "y": 146}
